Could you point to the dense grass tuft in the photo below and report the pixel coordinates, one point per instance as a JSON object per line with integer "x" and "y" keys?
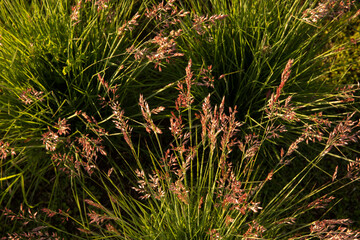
{"x": 178, "y": 119}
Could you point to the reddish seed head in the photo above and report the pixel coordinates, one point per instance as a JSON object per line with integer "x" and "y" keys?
{"x": 145, "y": 110}
{"x": 62, "y": 126}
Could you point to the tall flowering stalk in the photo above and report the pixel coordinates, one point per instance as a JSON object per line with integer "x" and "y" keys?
{"x": 145, "y": 110}
{"x": 273, "y": 101}
{"x": 121, "y": 123}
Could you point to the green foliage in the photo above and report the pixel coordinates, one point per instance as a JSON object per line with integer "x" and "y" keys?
{"x": 345, "y": 67}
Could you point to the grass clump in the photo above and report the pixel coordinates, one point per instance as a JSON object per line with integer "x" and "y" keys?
{"x": 238, "y": 144}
